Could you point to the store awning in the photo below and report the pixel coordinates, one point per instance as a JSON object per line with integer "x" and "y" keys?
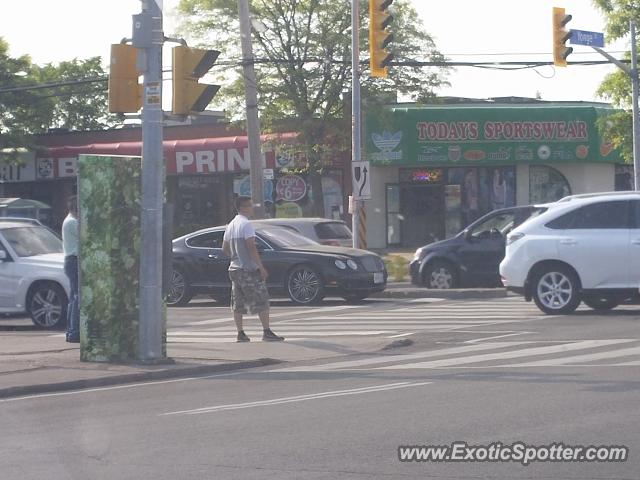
{"x": 192, "y": 156}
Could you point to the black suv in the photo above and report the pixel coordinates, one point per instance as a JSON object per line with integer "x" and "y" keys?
{"x": 472, "y": 257}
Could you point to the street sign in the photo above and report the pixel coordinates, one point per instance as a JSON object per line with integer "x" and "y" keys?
{"x": 268, "y": 173}
{"x": 361, "y": 172}
{"x": 589, "y": 39}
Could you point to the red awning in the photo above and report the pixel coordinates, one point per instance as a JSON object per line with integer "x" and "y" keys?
{"x": 202, "y": 155}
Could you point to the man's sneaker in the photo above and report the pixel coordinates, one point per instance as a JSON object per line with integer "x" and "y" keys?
{"x": 73, "y": 339}
{"x": 269, "y": 336}
{"x": 242, "y": 337}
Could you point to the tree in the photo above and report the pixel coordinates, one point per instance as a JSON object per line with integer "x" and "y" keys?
{"x": 79, "y": 106}
{"x": 616, "y": 88}
{"x": 26, "y": 111}
{"x": 303, "y": 64}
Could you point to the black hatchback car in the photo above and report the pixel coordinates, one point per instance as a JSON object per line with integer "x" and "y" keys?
{"x": 299, "y": 268}
{"x": 472, "y": 257}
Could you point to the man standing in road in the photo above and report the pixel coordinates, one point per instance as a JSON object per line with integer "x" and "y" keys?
{"x": 246, "y": 271}
{"x": 70, "y": 248}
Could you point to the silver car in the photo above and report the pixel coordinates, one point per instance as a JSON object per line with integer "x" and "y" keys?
{"x": 322, "y": 230}
{"x": 32, "y": 278}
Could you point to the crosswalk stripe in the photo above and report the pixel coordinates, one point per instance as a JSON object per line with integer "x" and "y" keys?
{"x": 396, "y": 358}
{"x": 527, "y": 352}
{"x": 581, "y": 358}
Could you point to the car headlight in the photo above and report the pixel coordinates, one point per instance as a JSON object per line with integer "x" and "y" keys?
{"x": 419, "y": 253}
{"x": 514, "y": 237}
{"x": 341, "y": 265}
{"x": 352, "y": 265}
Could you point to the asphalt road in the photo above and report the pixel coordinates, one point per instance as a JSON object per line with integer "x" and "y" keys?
{"x": 478, "y": 372}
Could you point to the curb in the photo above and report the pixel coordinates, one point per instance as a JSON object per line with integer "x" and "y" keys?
{"x": 197, "y": 370}
{"x": 457, "y": 294}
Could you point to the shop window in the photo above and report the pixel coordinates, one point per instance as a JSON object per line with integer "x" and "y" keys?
{"x": 393, "y": 214}
{"x": 546, "y": 184}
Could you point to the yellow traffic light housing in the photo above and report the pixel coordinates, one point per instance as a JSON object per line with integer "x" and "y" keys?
{"x": 560, "y": 37}
{"x": 379, "y": 37}
{"x": 189, "y": 64}
{"x": 125, "y": 93}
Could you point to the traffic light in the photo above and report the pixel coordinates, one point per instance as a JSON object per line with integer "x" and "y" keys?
{"x": 189, "y": 64}
{"x": 125, "y": 94}
{"x": 560, "y": 37}
{"x": 379, "y": 37}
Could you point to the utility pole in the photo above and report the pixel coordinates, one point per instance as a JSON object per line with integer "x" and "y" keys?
{"x": 356, "y": 116}
{"x": 253, "y": 122}
{"x": 636, "y": 120}
{"x": 635, "y": 84}
{"x": 149, "y": 37}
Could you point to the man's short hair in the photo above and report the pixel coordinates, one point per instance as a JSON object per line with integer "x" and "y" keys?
{"x": 242, "y": 202}
{"x": 72, "y": 202}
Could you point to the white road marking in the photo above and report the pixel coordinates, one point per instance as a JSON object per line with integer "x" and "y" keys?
{"x": 402, "y": 335}
{"x": 624, "y": 352}
{"x": 484, "y": 339}
{"x": 527, "y": 352}
{"x": 299, "y": 398}
{"x": 398, "y": 358}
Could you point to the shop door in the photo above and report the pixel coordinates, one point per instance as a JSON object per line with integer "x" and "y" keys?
{"x": 422, "y": 210}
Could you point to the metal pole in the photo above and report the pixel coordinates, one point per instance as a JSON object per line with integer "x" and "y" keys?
{"x": 253, "y": 122}
{"x": 356, "y": 118}
{"x": 636, "y": 119}
{"x": 151, "y": 323}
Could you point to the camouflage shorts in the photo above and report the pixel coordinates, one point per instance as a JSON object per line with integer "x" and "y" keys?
{"x": 248, "y": 290}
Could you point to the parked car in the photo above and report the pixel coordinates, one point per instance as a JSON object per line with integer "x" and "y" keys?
{"x": 32, "y": 278}
{"x": 584, "y": 248}
{"x": 322, "y": 230}
{"x": 299, "y": 268}
{"x": 472, "y": 257}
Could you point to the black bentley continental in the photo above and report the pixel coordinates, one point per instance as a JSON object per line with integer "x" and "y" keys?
{"x": 299, "y": 268}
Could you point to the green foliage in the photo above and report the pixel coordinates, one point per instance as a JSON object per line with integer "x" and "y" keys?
{"x": 306, "y": 49}
{"x": 397, "y": 266}
{"x": 616, "y": 87}
{"x": 24, "y": 113}
{"x": 109, "y": 190}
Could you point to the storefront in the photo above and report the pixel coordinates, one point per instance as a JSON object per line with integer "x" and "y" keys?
{"x": 203, "y": 177}
{"x": 438, "y": 168}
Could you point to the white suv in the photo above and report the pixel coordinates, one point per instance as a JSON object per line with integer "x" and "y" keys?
{"x": 32, "y": 278}
{"x": 583, "y": 248}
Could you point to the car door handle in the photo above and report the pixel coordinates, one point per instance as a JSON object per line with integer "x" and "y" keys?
{"x": 213, "y": 256}
{"x": 569, "y": 241}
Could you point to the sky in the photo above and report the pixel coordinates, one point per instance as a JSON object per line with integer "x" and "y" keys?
{"x": 464, "y": 30}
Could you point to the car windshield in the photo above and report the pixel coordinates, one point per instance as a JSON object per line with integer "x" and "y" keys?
{"x": 503, "y": 223}
{"x": 28, "y": 241}
{"x": 336, "y": 230}
{"x": 283, "y": 237}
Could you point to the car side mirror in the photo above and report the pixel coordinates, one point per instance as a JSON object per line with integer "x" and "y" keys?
{"x": 3, "y": 255}
{"x": 467, "y": 235}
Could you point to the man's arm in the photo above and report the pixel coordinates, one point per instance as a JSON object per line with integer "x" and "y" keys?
{"x": 252, "y": 248}
{"x": 226, "y": 248}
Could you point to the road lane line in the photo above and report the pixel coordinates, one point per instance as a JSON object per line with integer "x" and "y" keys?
{"x": 298, "y": 398}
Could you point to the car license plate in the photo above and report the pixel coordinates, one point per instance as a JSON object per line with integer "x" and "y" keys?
{"x": 378, "y": 277}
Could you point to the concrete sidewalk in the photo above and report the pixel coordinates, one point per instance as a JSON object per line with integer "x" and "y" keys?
{"x": 41, "y": 361}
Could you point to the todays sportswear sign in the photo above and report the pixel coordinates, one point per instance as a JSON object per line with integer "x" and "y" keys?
{"x": 493, "y": 135}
